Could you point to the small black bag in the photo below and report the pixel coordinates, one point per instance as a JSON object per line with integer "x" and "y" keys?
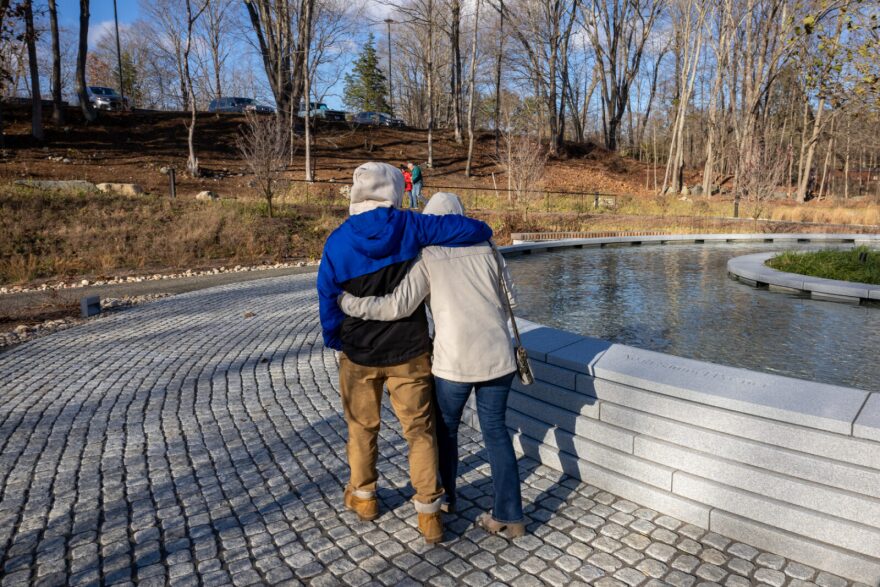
{"x": 523, "y": 368}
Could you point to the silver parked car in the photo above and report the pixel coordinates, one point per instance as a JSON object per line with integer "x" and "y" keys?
{"x": 106, "y": 98}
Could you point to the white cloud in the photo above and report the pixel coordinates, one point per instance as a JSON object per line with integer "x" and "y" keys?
{"x": 377, "y": 11}
{"x": 105, "y": 27}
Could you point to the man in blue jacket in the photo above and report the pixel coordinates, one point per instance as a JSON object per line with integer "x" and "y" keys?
{"x": 369, "y": 255}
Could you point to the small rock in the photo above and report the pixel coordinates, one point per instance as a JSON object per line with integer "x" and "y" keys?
{"x": 123, "y": 189}
{"x": 249, "y": 314}
{"x": 84, "y": 282}
{"x": 21, "y": 329}
{"x": 207, "y": 196}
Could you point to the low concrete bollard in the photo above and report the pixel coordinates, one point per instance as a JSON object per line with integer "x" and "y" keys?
{"x": 90, "y": 306}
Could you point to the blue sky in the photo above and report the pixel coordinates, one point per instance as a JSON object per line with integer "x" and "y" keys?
{"x": 101, "y": 20}
{"x": 101, "y": 11}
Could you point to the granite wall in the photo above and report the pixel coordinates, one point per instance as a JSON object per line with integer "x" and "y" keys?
{"x": 785, "y": 465}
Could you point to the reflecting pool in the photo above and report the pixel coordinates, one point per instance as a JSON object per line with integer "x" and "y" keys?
{"x": 678, "y": 299}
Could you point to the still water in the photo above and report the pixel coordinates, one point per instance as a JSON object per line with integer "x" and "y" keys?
{"x": 678, "y": 299}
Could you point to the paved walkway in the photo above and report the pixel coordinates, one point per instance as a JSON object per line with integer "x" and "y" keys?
{"x": 198, "y": 440}
{"x": 15, "y": 302}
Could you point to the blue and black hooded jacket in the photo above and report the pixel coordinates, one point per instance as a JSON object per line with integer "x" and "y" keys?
{"x": 368, "y": 255}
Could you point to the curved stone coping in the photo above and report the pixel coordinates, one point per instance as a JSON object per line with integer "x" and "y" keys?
{"x": 752, "y": 269}
{"x": 525, "y": 248}
{"x": 821, "y": 406}
{"x": 783, "y": 464}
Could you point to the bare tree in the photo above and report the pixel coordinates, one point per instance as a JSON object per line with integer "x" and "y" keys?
{"x": 263, "y": 145}
{"x": 192, "y": 162}
{"x": 819, "y": 76}
{"x": 57, "y": 107}
{"x": 472, "y": 90}
{"x": 82, "y": 93}
{"x": 498, "y": 56}
{"x": 543, "y": 29}
{"x": 280, "y": 27}
{"x": 214, "y": 30}
{"x": 690, "y": 16}
{"x": 307, "y": 92}
{"x": 619, "y": 31}
{"x": 523, "y": 160}
{"x": 4, "y": 7}
{"x": 36, "y": 98}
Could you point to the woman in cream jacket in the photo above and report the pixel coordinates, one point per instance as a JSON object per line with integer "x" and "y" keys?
{"x": 472, "y": 351}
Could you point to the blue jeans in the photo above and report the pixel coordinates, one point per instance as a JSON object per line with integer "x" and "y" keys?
{"x": 491, "y": 409}
{"x": 416, "y": 195}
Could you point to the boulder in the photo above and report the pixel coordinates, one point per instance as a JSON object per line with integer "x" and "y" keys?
{"x": 76, "y": 185}
{"x": 207, "y": 196}
{"x": 685, "y": 191}
{"x": 697, "y": 190}
{"x": 123, "y": 189}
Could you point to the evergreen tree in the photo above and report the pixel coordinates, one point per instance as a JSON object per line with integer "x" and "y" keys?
{"x": 366, "y": 87}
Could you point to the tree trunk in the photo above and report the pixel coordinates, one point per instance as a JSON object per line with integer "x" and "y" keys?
{"x": 846, "y": 164}
{"x": 471, "y": 91}
{"x": 455, "y": 69}
{"x": 36, "y": 98}
{"x": 430, "y": 162}
{"x": 57, "y": 106}
{"x": 809, "y": 151}
{"x": 498, "y": 55}
{"x": 85, "y": 105}
{"x": 827, "y": 160}
{"x": 192, "y": 162}
{"x": 4, "y": 6}
{"x": 307, "y": 93}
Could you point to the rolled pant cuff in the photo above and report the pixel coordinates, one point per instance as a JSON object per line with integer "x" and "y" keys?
{"x": 428, "y": 508}
{"x": 363, "y": 494}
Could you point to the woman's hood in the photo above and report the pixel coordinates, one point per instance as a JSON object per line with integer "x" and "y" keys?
{"x": 443, "y": 203}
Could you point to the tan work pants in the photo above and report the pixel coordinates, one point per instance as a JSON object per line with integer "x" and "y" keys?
{"x": 410, "y": 386}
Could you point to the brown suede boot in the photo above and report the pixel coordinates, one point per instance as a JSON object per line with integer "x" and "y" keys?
{"x": 367, "y": 508}
{"x": 493, "y": 526}
{"x": 431, "y": 527}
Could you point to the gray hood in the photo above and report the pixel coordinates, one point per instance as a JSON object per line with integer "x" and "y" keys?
{"x": 375, "y": 185}
{"x": 443, "y": 203}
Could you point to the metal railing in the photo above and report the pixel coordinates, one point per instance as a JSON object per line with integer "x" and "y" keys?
{"x": 559, "y": 200}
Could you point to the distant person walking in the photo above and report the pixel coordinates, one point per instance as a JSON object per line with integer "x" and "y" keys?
{"x": 416, "y": 178}
{"x": 407, "y": 185}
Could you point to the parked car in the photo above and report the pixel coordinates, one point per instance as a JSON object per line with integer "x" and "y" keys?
{"x": 106, "y": 98}
{"x": 320, "y": 110}
{"x": 233, "y": 104}
{"x": 378, "y": 119}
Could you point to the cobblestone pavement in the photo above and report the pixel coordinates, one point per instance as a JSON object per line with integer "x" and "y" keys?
{"x": 198, "y": 440}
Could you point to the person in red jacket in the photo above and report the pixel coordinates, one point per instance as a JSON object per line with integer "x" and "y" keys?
{"x": 407, "y": 186}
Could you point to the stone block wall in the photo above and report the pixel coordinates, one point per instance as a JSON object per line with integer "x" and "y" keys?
{"x": 786, "y": 465}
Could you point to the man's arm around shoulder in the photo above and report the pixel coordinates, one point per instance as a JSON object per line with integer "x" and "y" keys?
{"x": 450, "y": 230}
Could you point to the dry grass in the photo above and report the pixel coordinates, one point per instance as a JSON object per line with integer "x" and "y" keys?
{"x": 860, "y": 213}
{"x": 56, "y": 234}
{"x": 47, "y": 235}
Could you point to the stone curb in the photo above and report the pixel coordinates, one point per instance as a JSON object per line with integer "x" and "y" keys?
{"x": 752, "y": 270}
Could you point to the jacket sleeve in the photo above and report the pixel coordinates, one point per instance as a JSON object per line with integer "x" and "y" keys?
{"x": 450, "y": 230}
{"x": 400, "y": 303}
{"x": 331, "y": 315}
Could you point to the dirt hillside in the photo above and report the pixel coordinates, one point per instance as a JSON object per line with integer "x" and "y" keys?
{"x": 131, "y": 147}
